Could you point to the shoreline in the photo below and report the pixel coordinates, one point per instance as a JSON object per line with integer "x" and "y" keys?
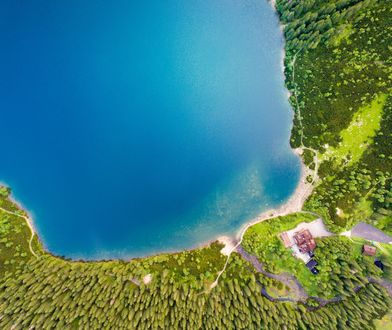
{"x": 272, "y": 3}
{"x": 231, "y": 241}
{"x": 295, "y": 202}
{"x": 301, "y": 193}
{"x": 27, "y": 215}
{"x": 292, "y": 205}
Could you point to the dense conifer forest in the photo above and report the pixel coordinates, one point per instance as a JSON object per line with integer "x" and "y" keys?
{"x": 339, "y": 71}
{"x": 41, "y": 291}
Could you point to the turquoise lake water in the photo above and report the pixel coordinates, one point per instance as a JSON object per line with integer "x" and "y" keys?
{"x": 135, "y": 127}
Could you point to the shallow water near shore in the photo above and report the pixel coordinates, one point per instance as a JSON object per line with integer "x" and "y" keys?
{"x": 132, "y": 128}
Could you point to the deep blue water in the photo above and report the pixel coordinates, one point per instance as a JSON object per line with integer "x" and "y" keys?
{"x": 135, "y": 127}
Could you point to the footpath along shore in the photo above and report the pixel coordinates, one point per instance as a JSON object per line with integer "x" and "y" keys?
{"x": 293, "y": 205}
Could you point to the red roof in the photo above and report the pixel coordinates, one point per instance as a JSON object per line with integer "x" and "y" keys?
{"x": 305, "y": 241}
{"x": 369, "y": 250}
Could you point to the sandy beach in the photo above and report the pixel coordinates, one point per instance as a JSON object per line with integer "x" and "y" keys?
{"x": 296, "y": 201}
{"x": 294, "y": 204}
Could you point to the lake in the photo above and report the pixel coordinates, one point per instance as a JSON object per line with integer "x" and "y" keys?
{"x": 136, "y": 127}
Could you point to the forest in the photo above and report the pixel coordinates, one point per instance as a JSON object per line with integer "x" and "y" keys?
{"x": 338, "y": 68}
{"x": 340, "y": 261}
{"x": 41, "y": 291}
{"x": 339, "y": 76}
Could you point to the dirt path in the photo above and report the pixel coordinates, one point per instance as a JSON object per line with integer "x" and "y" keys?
{"x": 232, "y": 249}
{"x": 298, "y": 115}
{"x": 287, "y": 279}
{"x": 29, "y": 224}
{"x": 295, "y": 203}
{"x": 300, "y": 295}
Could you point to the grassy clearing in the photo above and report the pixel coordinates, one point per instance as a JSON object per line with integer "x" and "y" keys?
{"x": 358, "y": 135}
{"x": 343, "y": 88}
{"x": 262, "y": 240}
{"x": 343, "y": 34}
{"x": 272, "y": 227}
{"x": 385, "y": 323}
{"x": 341, "y": 264}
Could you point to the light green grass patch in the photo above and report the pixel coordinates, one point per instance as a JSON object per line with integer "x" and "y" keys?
{"x": 262, "y": 240}
{"x": 384, "y": 224}
{"x": 385, "y": 323}
{"x": 274, "y": 226}
{"x": 385, "y": 254}
{"x": 337, "y": 257}
{"x": 358, "y": 135}
{"x": 362, "y": 211}
{"x": 342, "y": 34}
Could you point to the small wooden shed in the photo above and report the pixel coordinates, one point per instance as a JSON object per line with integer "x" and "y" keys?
{"x": 369, "y": 250}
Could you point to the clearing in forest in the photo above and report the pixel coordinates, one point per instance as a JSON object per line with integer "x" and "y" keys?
{"x": 358, "y": 135}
